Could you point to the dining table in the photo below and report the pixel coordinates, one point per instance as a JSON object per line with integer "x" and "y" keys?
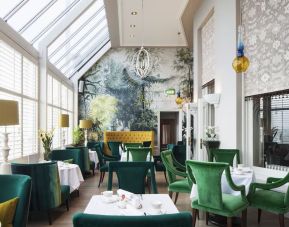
{"x": 70, "y": 174}
{"x": 93, "y": 157}
{"x": 99, "y": 204}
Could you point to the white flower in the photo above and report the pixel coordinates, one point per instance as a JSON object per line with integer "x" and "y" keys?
{"x": 286, "y": 56}
{"x": 276, "y": 44}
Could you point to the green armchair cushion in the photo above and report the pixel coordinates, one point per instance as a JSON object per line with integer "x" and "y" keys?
{"x": 17, "y": 186}
{"x": 180, "y": 186}
{"x": 232, "y": 206}
{"x": 182, "y": 219}
{"x": 7, "y": 212}
{"x": 272, "y": 201}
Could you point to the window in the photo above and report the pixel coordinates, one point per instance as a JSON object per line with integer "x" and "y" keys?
{"x": 18, "y": 81}
{"x": 60, "y": 101}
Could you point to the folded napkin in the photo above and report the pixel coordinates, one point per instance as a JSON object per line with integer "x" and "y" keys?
{"x": 128, "y": 195}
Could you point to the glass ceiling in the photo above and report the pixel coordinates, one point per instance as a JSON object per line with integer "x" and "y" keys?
{"x": 34, "y": 19}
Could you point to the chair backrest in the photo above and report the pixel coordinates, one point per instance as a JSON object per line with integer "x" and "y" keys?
{"x": 146, "y": 143}
{"x": 62, "y": 155}
{"x": 99, "y": 153}
{"x": 17, "y": 186}
{"x": 114, "y": 148}
{"x": 170, "y": 146}
{"x": 179, "y": 152}
{"x": 46, "y": 189}
{"x": 182, "y": 219}
{"x": 140, "y": 154}
{"x": 226, "y": 155}
{"x": 207, "y": 176}
{"x": 83, "y": 163}
{"x": 127, "y": 145}
{"x": 131, "y": 176}
{"x": 168, "y": 161}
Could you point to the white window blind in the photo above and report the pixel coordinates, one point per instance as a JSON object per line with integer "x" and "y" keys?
{"x": 61, "y": 102}
{"x": 18, "y": 81}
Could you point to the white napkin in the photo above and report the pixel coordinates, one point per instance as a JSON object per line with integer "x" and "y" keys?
{"x": 128, "y": 195}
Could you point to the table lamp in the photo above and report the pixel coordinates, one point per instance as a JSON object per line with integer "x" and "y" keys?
{"x": 85, "y": 124}
{"x": 9, "y": 115}
{"x": 63, "y": 123}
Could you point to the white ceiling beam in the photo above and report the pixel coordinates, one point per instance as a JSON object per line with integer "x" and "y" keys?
{"x": 66, "y": 22}
{"x": 90, "y": 63}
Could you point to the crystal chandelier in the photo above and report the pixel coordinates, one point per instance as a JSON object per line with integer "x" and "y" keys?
{"x": 142, "y": 56}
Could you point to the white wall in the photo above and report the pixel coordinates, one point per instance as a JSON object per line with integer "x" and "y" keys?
{"x": 228, "y": 114}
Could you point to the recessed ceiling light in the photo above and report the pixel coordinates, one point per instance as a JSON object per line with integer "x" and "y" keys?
{"x": 133, "y": 13}
{"x": 132, "y": 25}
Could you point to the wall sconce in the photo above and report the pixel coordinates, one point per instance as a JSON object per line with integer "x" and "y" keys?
{"x": 213, "y": 99}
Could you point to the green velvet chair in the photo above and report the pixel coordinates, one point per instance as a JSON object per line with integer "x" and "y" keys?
{"x": 176, "y": 175}
{"x": 226, "y": 155}
{"x": 83, "y": 161}
{"x": 114, "y": 148}
{"x": 133, "y": 145}
{"x": 132, "y": 176}
{"x": 207, "y": 176}
{"x": 139, "y": 154}
{"x": 102, "y": 159}
{"x": 182, "y": 219}
{"x": 262, "y": 196}
{"x": 179, "y": 152}
{"x": 17, "y": 186}
{"x": 47, "y": 193}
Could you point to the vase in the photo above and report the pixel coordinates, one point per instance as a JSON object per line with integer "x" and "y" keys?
{"x": 46, "y": 154}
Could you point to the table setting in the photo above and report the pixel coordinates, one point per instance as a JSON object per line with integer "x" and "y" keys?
{"x": 70, "y": 174}
{"x": 130, "y": 204}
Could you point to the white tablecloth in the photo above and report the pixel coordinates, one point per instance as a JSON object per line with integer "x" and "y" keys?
{"x": 5, "y": 168}
{"x": 93, "y": 157}
{"x": 97, "y": 205}
{"x": 70, "y": 174}
{"x": 124, "y": 157}
{"x": 246, "y": 178}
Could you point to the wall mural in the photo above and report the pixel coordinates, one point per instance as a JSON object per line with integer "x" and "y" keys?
{"x": 115, "y": 98}
{"x": 267, "y": 45}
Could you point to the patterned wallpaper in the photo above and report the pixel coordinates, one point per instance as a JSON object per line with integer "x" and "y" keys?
{"x": 266, "y": 24}
{"x": 208, "y": 51}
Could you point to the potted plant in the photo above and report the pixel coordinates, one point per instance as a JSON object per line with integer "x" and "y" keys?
{"x": 78, "y": 136}
{"x": 211, "y": 140}
{"x": 46, "y": 139}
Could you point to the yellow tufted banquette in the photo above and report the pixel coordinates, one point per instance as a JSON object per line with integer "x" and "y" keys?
{"x": 128, "y": 137}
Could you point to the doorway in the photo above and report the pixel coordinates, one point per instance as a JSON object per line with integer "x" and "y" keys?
{"x": 169, "y": 126}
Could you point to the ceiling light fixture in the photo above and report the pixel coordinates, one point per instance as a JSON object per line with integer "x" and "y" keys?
{"x": 133, "y": 13}
{"x": 132, "y": 25}
{"x": 141, "y": 58}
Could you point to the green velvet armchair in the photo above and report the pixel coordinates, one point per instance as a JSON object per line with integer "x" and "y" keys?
{"x": 114, "y": 148}
{"x": 174, "y": 170}
{"x": 17, "y": 186}
{"x": 139, "y": 154}
{"x": 226, "y": 155}
{"x": 83, "y": 161}
{"x": 102, "y": 161}
{"x": 263, "y": 197}
{"x": 47, "y": 193}
{"x": 132, "y": 176}
{"x": 207, "y": 177}
{"x": 182, "y": 219}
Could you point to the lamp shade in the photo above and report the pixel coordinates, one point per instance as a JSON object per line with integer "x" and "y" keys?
{"x": 9, "y": 114}
{"x": 64, "y": 121}
{"x": 85, "y": 124}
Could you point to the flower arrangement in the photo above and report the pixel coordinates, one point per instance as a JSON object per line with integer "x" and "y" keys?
{"x": 46, "y": 139}
{"x": 211, "y": 133}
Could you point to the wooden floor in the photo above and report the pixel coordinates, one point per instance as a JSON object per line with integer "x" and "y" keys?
{"x": 62, "y": 218}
